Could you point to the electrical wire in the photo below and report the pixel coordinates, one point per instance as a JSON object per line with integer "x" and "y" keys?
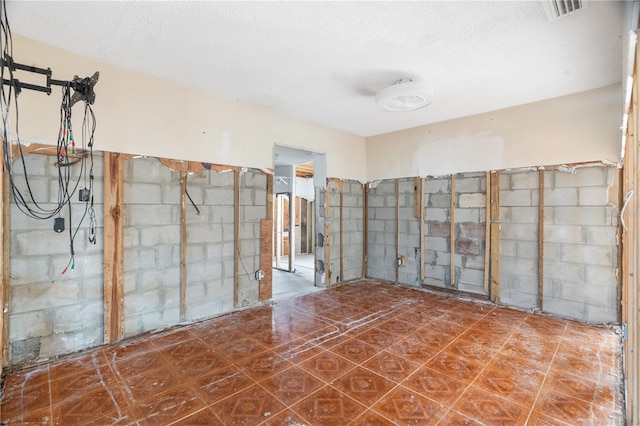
{"x": 66, "y": 153}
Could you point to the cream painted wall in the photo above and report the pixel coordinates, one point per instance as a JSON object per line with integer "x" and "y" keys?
{"x": 144, "y": 115}
{"x": 576, "y": 128}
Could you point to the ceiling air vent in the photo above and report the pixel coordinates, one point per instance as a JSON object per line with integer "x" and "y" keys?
{"x": 556, "y": 9}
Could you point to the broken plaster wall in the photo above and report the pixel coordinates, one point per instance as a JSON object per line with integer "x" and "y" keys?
{"x": 53, "y": 313}
{"x": 151, "y": 246}
{"x": 210, "y": 244}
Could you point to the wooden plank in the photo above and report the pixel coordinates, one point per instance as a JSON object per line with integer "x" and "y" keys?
{"x": 341, "y": 237}
{"x": 423, "y": 184}
{"x": 327, "y": 253}
{"x": 417, "y": 197}
{"x": 487, "y": 231}
{"x": 397, "y": 230}
{"x": 236, "y": 238}
{"x": 266, "y": 256}
{"x": 113, "y": 247}
{"x": 494, "y": 215}
{"x": 365, "y": 228}
{"x": 327, "y": 206}
{"x": 270, "y": 197}
{"x": 5, "y": 259}
{"x": 540, "y": 238}
{"x": 183, "y": 245}
{"x": 452, "y": 230}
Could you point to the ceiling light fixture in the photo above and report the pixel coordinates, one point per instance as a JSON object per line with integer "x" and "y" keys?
{"x": 404, "y": 95}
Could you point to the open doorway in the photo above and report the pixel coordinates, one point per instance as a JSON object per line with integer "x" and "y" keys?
{"x": 293, "y": 230}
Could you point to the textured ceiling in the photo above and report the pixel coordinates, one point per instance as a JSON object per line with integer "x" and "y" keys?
{"x": 324, "y": 61}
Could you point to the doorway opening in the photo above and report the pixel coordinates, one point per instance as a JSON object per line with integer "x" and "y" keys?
{"x": 294, "y": 218}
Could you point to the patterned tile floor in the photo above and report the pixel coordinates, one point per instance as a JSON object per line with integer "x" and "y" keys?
{"x": 360, "y": 354}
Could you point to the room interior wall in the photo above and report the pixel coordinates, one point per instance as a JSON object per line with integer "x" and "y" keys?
{"x": 577, "y": 128}
{"x": 144, "y": 115}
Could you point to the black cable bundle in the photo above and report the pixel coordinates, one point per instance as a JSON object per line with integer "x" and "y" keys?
{"x": 66, "y": 154}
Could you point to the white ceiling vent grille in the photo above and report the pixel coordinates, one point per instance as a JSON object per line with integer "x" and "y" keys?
{"x": 556, "y": 9}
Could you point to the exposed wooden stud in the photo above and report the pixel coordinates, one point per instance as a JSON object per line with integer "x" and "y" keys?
{"x": 183, "y": 245}
{"x": 365, "y": 228}
{"x": 540, "y": 238}
{"x": 266, "y": 258}
{"x": 270, "y": 197}
{"x": 5, "y": 259}
{"x": 417, "y": 197}
{"x": 494, "y": 216}
{"x": 327, "y": 204}
{"x": 397, "y": 260}
{"x": 236, "y": 238}
{"x": 327, "y": 253}
{"x": 338, "y": 181}
{"x": 341, "y": 237}
{"x": 113, "y": 247}
{"x": 487, "y": 231}
{"x": 452, "y": 223}
{"x": 423, "y": 183}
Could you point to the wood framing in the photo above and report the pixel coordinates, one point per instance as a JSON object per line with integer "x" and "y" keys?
{"x": 183, "y": 245}
{"x": 365, "y": 228}
{"x": 417, "y": 197}
{"x": 269, "y": 197}
{"x": 5, "y": 259}
{"x": 327, "y": 253}
{"x": 452, "y": 242}
{"x": 397, "y": 230}
{"x": 236, "y": 238}
{"x": 266, "y": 258}
{"x": 341, "y": 237}
{"x": 487, "y": 232}
{"x": 494, "y": 216}
{"x": 540, "y": 238}
{"x": 113, "y": 247}
{"x": 422, "y": 228}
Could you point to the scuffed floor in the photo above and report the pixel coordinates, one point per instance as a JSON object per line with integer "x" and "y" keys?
{"x": 360, "y": 354}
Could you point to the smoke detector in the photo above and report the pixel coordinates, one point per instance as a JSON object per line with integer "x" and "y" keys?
{"x": 404, "y": 95}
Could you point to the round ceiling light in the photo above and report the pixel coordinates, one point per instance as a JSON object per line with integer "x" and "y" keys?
{"x": 405, "y": 95}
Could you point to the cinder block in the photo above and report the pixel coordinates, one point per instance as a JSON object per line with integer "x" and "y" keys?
{"x": 436, "y": 215}
{"x": 223, "y": 179}
{"x": 435, "y": 272}
{"x": 469, "y": 184}
{"x": 587, "y": 176}
{"x": 590, "y": 255}
{"x": 437, "y": 243}
{"x": 601, "y": 235}
{"x": 601, "y": 275}
{"x": 551, "y": 251}
{"x": 524, "y": 215}
{"x": 593, "y": 196}
{"x": 385, "y": 213}
{"x": 515, "y": 265}
{"x": 508, "y": 248}
{"x": 466, "y": 246}
{"x": 470, "y": 215}
{"x": 519, "y": 300}
{"x": 600, "y": 314}
{"x": 561, "y": 197}
{"x": 592, "y": 295}
{"x": 505, "y": 180}
{"x": 433, "y": 186}
{"x": 148, "y": 215}
{"x": 30, "y": 324}
{"x": 219, "y": 196}
{"x": 471, "y": 230}
{"x": 25, "y": 270}
{"x": 253, "y": 213}
{"x": 39, "y": 243}
{"x": 472, "y": 200}
{"x": 155, "y": 235}
{"x": 524, "y": 180}
{"x": 564, "y": 308}
{"x": 438, "y": 230}
{"x": 443, "y": 258}
{"x": 143, "y": 259}
{"x": 471, "y": 276}
{"x": 511, "y": 231}
{"x": 519, "y": 197}
{"x": 519, "y": 284}
{"x": 439, "y": 201}
{"x": 527, "y": 249}
{"x": 564, "y": 234}
{"x": 562, "y": 272}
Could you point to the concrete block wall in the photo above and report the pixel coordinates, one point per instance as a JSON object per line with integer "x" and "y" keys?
{"x": 52, "y": 313}
{"x": 352, "y": 229}
{"x": 210, "y": 245}
{"x": 580, "y": 251}
{"x": 253, "y": 208}
{"x": 151, "y": 246}
{"x": 381, "y": 226}
{"x": 519, "y": 203}
{"x": 408, "y": 233}
{"x": 470, "y": 220}
{"x": 437, "y": 240}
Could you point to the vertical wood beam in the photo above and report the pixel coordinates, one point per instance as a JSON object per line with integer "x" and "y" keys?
{"x": 183, "y": 245}
{"x": 452, "y": 223}
{"x": 417, "y": 197}
{"x": 494, "y": 211}
{"x": 113, "y": 247}
{"x": 5, "y": 260}
{"x": 540, "y": 238}
{"x": 341, "y": 236}
{"x": 365, "y": 228}
{"x": 327, "y": 236}
{"x": 266, "y": 245}
{"x": 397, "y": 260}
{"x": 422, "y": 230}
{"x": 487, "y": 231}
{"x": 236, "y": 237}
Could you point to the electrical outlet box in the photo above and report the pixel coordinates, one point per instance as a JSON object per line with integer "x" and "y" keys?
{"x": 84, "y": 195}
{"x": 259, "y": 275}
